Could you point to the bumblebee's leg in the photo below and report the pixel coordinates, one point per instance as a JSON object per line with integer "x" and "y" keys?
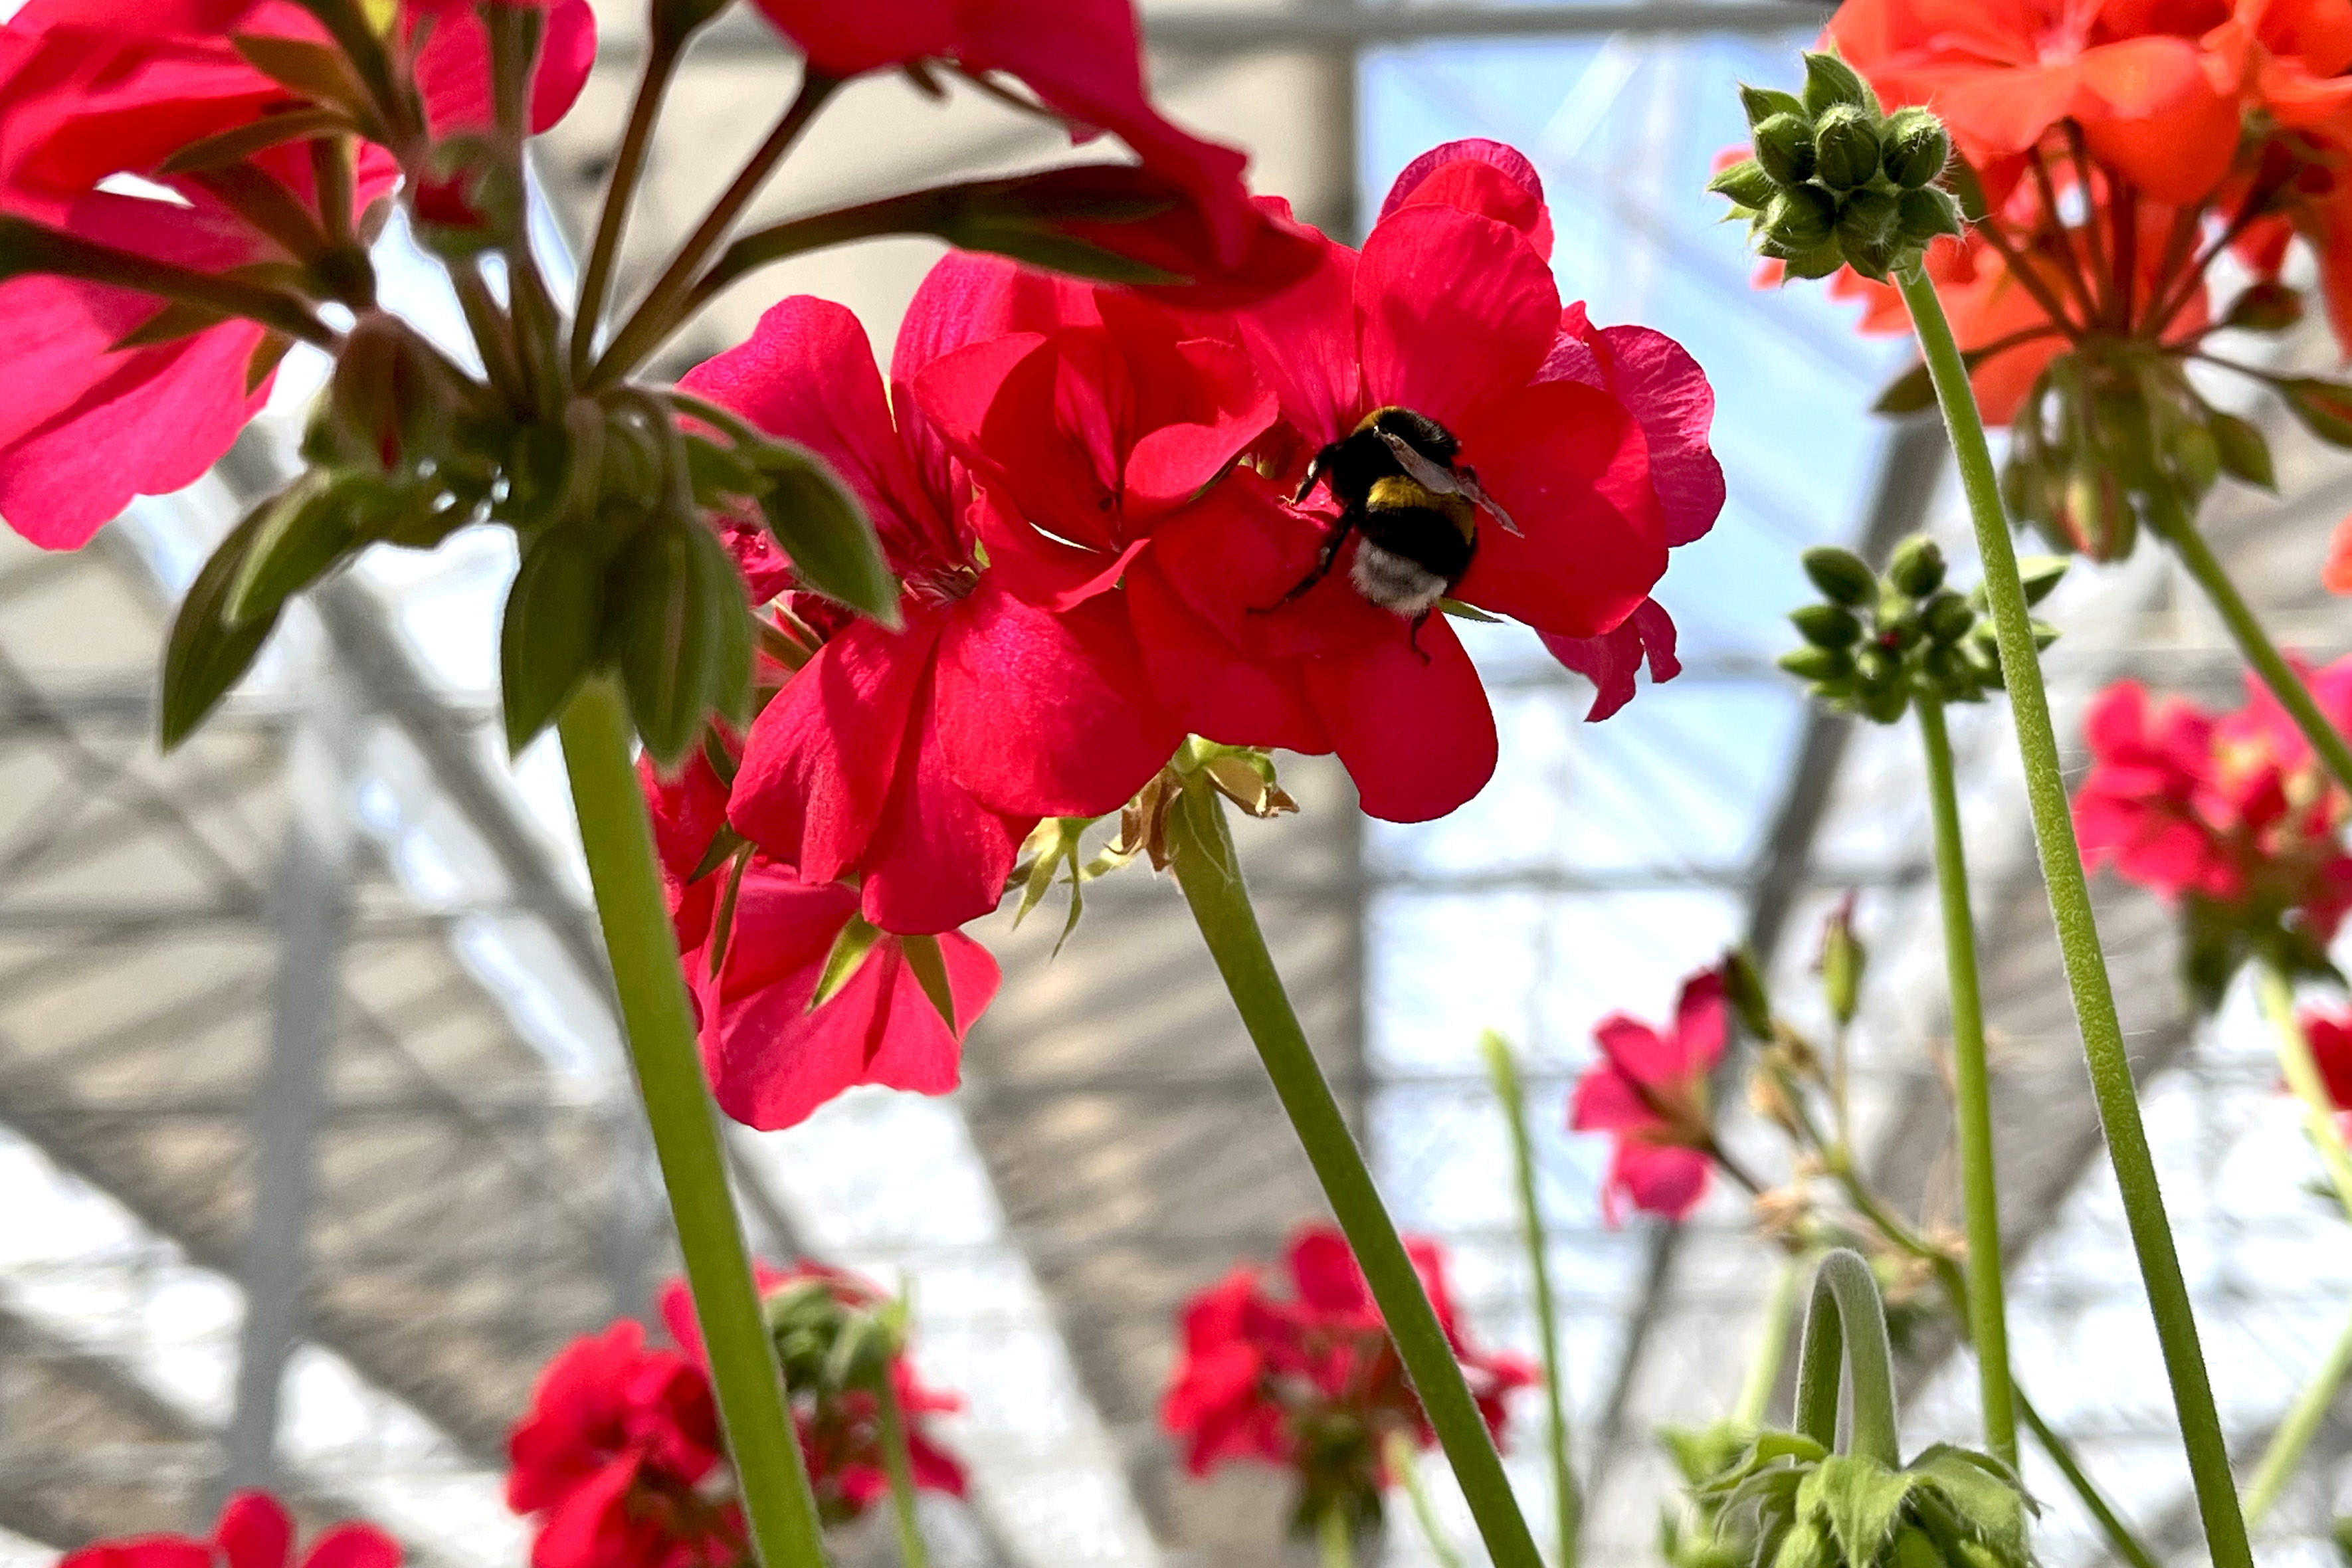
{"x": 1413, "y": 637}
{"x": 1323, "y": 563}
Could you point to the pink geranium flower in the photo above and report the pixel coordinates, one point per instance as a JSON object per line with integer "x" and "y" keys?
{"x": 254, "y": 1531}
{"x": 1649, "y": 1092}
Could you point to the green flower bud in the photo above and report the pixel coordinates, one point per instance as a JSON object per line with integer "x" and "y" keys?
{"x": 1917, "y": 568}
{"x": 1784, "y": 145}
{"x": 1821, "y": 261}
{"x": 1901, "y": 633}
{"x": 1826, "y": 625}
{"x": 1830, "y": 81}
{"x": 1869, "y": 231}
{"x": 1925, "y": 214}
{"x": 1845, "y": 148}
{"x": 1743, "y": 987}
{"x": 1913, "y": 146}
{"x": 1747, "y": 185}
{"x": 1761, "y": 104}
{"x": 1842, "y": 575}
{"x": 1886, "y": 704}
{"x": 1800, "y": 220}
{"x": 1843, "y": 957}
{"x": 1948, "y": 617}
{"x": 1812, "y": 663}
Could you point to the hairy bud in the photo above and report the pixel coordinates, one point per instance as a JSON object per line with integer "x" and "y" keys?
{"x": 1845, "y": 148}
{"x": 1784, "y": 145}
{"x": 1917, "y": 568}
{"x": 1914, "y": 147}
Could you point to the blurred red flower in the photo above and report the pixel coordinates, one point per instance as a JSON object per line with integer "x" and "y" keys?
{"x": 2229, "y": 813}
{"x": 254, "y": 1531}
{"x": 1649, "y": 1091}
{"x": 2330, "y": 1035}
{"x": 774, "y": 1053}
{"x": 91, "y": 91}
{"x": 1304, "y": 1376}
{"x": 614, "y": 1457}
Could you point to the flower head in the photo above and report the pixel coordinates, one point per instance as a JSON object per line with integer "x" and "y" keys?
{"x": 1649, "y": 1092}
{"x": 254, "y": 1531}
{"x": 2228, "y": 816}
{"x": 1304, "y": 1377}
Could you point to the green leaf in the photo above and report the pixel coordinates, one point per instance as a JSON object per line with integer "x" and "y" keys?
{"x": 1861, "y": 1502}
{"x": 826, "y": 533}
{"x": 850, "y": 949}
{"x": 930, "y": 972}
{"x": 207, "y": 652}
{"x": 2039, "y": 575}
{"x": 549, "y": 638}
{"x": 1981, "y": 1492}
{"x": 314, "y": 70}
{"x": 2245, "y": 453}
{"x": 313, "y": 529}
{"x": 2324, "y": 407}
{"x": 1806, "y": 1546}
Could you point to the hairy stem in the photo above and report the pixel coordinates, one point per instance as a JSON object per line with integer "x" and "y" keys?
{"x": 2078, "y": 941}
{"x": 1846, "y": 1322}
{"x": 1208, "y": 869}
{"x": 2119, "y": 1535}
{"x": 1972, "y": 1092}
{"x": 618, "y": 839}
{"x": 1568, "y": 1501}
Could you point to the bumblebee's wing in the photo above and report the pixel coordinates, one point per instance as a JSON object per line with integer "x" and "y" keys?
{"x": 1445, "y": 481}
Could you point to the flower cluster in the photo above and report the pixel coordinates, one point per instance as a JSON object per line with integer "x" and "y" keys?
{"x": 1304, "y": 1379}
{"x": 254, "y": 1531}
{"x": 2228, "y": 816}
{"x": 1118, "y": 523}
{"x": 619, "y": 1460}
{"x": 2109, "y": 155}
{"x": 1649, "y": 1092}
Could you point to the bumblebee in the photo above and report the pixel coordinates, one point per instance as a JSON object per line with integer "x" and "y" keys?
{"x": 1397, "y": 483}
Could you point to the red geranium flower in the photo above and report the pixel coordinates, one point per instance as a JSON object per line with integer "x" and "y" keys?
{"x": 774, "y": 1053}
{"x": 614, "y": 1456}
{"x": 1650, "y": 1092}
{"x": 840, "y": 1430}
{"x": 1591, "y": 443}
{"x": 2229, "y": 814}
{"x": 90, "y": 90}
{"x": 1307, "y": 1379}
{"x": 919, "y": 759}
{"x": 254, "y": 1531}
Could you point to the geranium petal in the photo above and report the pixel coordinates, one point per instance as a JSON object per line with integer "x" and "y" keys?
{"x": 1456, "y": 311}
{"x": 938, "y": 857}
{"x": 254, "y": 1532}
{"x": 1668, "y": 1182}
{"x": 1209, "y": 687}
{"x": 1492, "y": 179}
{"x": 1413, "y": 728}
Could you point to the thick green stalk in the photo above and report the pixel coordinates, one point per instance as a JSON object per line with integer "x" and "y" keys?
{"x": 1847, "y": 1321}
{"x": 2301, "y": 1423}
{"x": 2179, "y": 531}
{"x": 898, "y": 1462}
{"x": 2276, "y": 992}
{"x": 2078, "y": 941}
{"x": 1405, "y": 1463}
{"x": 1972, "y": 1093}
{"x": 618, "y": 839}
{"x": 1331, "y": 1537}
{"x": 1209, "y": 871}
{"x": 1568, "y": 1502}
{"x": 1771, "y": 1345}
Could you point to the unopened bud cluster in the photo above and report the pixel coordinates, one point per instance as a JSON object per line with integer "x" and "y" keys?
{"x": 1874, "y": 642}
{"x": 1835, "y": 181}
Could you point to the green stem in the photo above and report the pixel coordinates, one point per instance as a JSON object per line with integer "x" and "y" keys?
{"x": 1972, "y": 1086}
{"x": 898, "y": 1460}
{"x": 1847, "y": 1316}
{"x": 1771, "y": 1346}
{"x": 628, "y": 164}
{"x": 1568, "y": 1503}
{"x": 2061, "y": 1454}
{"x": 2179, "y": 531}
{"x": 2296, "y": 1430}
{"x": 1208, "y": 869}
{"x": 2276, "y": 992}
{"x": 2078, "y": 941}
{"x": 1331, "y": 1535}
{"x": 618, "y": 839}
{"x": 1406, "y": 1464}
{"x": 654, "y": 317}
